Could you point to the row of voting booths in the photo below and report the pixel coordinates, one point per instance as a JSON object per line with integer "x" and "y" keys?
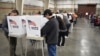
{"x": 28, "y": 27}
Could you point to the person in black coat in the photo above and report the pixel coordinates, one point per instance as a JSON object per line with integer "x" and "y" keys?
{"x": 62, "y": 30}
{"x": 13, "y": 40}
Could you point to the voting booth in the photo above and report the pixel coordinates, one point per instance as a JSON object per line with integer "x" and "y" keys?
{"x": 15, "y": 26}
{"x": 34, "y": 25}
{"x": 27, "y": 26}
{"x": 33, "y": 29}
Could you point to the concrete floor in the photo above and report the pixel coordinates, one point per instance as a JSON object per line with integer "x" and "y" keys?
{"x": 83, "y": 41}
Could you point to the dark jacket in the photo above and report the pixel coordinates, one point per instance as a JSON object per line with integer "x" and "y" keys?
{"x": 50, "y": 31}
{"x": 62, "y": 25}
{"x": 5, "y": 25}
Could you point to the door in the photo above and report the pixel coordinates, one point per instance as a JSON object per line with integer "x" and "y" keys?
{"x": 86, "y": 8}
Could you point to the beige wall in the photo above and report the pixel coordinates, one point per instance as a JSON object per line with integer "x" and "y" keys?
{"x": 65, "y": 9}
{"x": 5, "y": 8}
{"x": 32, "y": 9}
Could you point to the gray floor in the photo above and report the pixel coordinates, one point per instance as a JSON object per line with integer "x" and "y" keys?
{"x": 83, "y": 41}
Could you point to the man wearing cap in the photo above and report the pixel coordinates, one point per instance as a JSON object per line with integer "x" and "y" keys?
{"x": 50, "y": 32}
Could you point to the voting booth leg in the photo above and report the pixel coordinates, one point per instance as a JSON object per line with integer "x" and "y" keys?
{"x": 42, "y": 42}
{"x": 21, "y": 45}
{"x": 42, "y": 46}
{"x": 36, "y": 46}
{"x": 9, "y": 44}
{"x": 26, "y": 49}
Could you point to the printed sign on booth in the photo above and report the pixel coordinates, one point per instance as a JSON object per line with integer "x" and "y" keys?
{"x": 23, "y": 20}
{"x": 33, "y": 26}
{"x": 15, "y": 26}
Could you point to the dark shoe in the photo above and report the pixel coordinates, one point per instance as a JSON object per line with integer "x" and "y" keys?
{"x": 58, "y": 44}
{"x": 15, "y": 55}
{"x": 62, "y": 45}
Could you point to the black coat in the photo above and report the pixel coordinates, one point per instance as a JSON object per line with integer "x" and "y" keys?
{"x": 51, "y": 31}
{"x": 62, "y": 25}
{"x": 5, "y": 25}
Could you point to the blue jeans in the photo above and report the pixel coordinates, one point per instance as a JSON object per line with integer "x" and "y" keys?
{"x": 52, "y": 49}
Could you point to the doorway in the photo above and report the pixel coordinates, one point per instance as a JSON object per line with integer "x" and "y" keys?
{"x": 86, "y": 8}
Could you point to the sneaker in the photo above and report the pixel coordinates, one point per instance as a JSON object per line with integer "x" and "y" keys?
{"x": 58, "y": 45}
{"x": 66, "y": 37}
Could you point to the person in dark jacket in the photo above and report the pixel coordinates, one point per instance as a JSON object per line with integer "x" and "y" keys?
{"x": 50, "y": 32}
{"x": 62, "y": 30}
{"x": 67, "y": 23}
{"x": 13, "y": 40}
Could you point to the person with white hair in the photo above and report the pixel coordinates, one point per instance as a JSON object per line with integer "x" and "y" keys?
{"x": 67, "y": 23}
{"x": 62, "y": 30}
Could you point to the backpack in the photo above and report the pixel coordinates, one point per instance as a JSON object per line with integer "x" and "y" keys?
{"x": 62, "y": 25}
